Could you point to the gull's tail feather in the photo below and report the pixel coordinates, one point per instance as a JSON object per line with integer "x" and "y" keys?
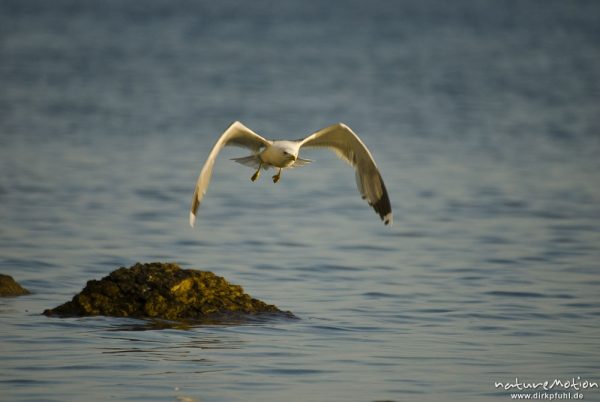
{"x": 300, "y": 162}
{"x": 192, "y": 219}
{"x": 252, "y": 161}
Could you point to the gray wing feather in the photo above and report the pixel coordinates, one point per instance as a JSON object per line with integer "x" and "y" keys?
{"x": 238, "y": 135}
{"x": 348, "y": 146}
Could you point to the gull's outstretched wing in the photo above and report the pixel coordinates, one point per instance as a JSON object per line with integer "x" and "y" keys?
{"x": 237, "y": 134}
{"x": 346, "y": 144}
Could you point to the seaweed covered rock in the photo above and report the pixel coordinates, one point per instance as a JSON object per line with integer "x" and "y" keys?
{"x": 9, "y": 287}
{"x": 165, "y": 291}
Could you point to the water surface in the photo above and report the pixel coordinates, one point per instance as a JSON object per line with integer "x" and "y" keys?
{"x": 483, "y": 117}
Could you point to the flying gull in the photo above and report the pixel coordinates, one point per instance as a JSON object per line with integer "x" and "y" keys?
{"x": 282, "y": 154}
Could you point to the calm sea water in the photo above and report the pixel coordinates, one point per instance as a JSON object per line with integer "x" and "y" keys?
{"x": 482, "y": 115}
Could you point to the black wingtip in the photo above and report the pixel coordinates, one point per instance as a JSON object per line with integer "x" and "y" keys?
{"x": 383, "y": 207}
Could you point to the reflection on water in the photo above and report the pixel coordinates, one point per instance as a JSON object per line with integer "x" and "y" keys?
{"x": 482, "y": 118}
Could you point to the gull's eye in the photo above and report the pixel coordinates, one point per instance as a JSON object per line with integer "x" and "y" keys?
{"x": 285, "y": 153}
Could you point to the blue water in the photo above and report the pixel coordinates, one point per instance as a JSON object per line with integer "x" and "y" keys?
{"x": 484, "y": 117}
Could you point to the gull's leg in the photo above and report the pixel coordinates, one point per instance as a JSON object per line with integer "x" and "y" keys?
{"x": 257, "y": 173}
{"x": 277, "y": 176}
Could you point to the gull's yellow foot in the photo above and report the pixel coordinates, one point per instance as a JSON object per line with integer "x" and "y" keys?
{"x": 277, "y": 177}
{"x": 257, "y": 173}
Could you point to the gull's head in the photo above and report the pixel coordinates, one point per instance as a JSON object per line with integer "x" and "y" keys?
{"x": 290, "y": 154}
{"x": 283, "y": 153}
{"x": 287, "y": 150}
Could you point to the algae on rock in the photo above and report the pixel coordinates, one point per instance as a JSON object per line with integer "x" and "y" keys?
{"x": 9, "y": 287}
{"x": 164, "y": 291}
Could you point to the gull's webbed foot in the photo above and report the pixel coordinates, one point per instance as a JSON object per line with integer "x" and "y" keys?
{"x": 277, "y": 177}
{"x": 257, "y": 173}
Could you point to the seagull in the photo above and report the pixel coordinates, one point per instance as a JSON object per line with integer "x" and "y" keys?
{"x": 282, "y": 154}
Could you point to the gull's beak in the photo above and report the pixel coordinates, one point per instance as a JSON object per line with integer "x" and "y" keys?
{"x": 294, "y": 157}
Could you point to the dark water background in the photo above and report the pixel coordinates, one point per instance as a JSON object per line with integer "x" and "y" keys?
{"x": 484, "y": 117}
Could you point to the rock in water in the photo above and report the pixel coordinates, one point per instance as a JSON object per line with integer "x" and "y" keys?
{"x": 165, "y": 291}
{"x": 8, "y": 287}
